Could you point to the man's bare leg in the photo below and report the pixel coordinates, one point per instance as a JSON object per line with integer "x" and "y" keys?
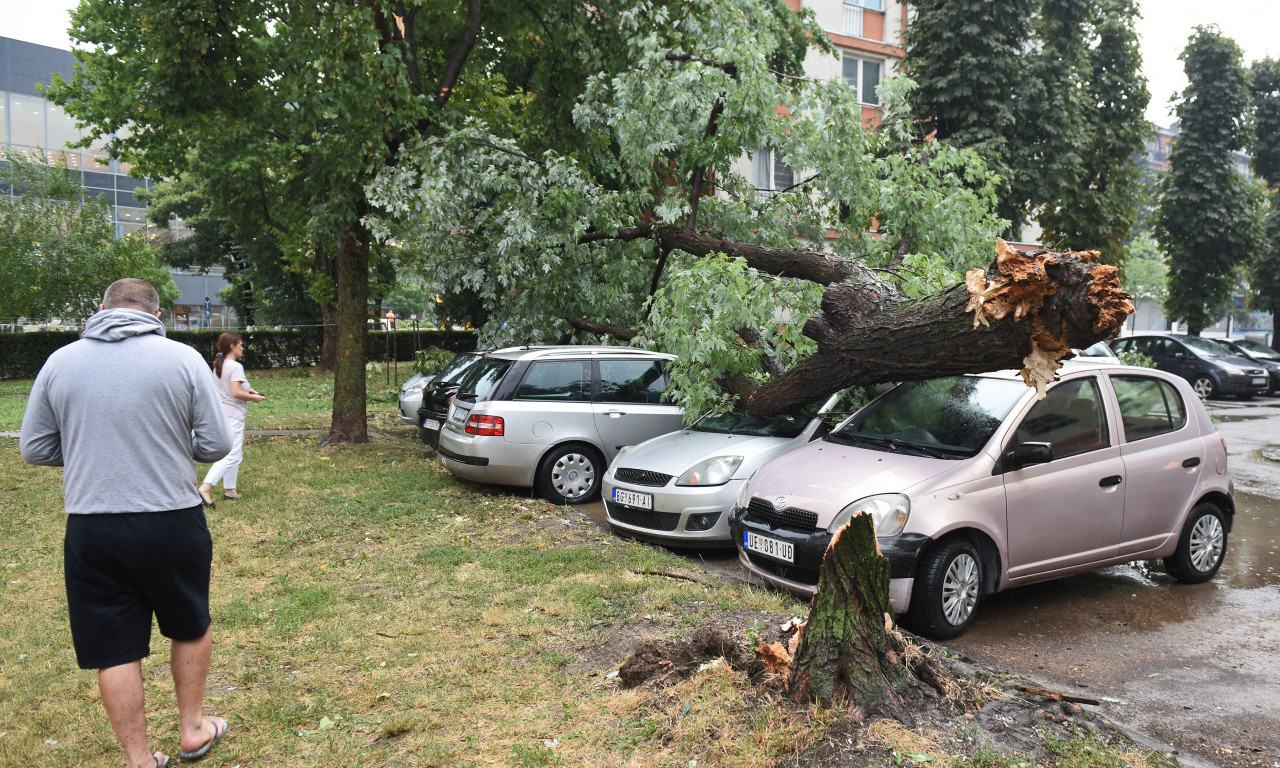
{"x": 123, "y": 697}
{"x": 189, "y": 665}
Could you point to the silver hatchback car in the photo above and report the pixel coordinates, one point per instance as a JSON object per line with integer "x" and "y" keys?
{"x": 553, "y": 417}
{"x": 976, "y": 486}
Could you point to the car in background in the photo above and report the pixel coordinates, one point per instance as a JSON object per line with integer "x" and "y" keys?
{"x": 1212, "y": 368}
{"x": 974, "y": 485}
{"x": 434, "y": 404}
{"x": 411, "y": 396}
{"x": 1262, "y": 355}
{"x": 1098, "y": 353}
{"x": 678, "y": 488}
{"x": 553, "y": 417}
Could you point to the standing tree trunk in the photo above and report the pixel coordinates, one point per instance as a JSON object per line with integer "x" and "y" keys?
{"x": 845, "y": 652}
{"x": 329, "y": 338}
{"x": 349, "y": 405}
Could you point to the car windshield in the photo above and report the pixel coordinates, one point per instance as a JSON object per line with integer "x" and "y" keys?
{"x": 1207, "y": 346}
{"x": 481, "y": 379}
{"x": 952, "y": 417}
{"x": 735, "y": 423}
{"x": 456, "y": 368}
{"x": 1258, "y": 350}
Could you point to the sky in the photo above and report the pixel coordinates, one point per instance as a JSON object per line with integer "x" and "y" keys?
{"x": 1163, "y": 30}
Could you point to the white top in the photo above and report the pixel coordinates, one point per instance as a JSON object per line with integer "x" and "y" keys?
{"x": 233, "y": 408}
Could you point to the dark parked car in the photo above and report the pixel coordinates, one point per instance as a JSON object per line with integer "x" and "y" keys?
{"x": 436, "y": 396}
{"x": 1262, "y": 355}
{"x": 1212, "y": 368}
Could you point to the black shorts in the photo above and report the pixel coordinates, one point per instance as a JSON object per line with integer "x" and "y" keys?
{"x": 121, "y": 568}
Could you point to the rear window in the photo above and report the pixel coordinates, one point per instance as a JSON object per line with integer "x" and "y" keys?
{"x": 556, "y": 380}
{"x": 1148, "y": 406}
{"x": 632, "y": 381}
{"x": 456, "y": 368}
{"x": 483, "y": 378}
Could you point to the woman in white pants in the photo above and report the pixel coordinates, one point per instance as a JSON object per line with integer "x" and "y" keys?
{"x": 236, "y": 394}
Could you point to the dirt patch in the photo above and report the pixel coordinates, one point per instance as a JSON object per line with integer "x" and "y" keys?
{"x": 989, "y": 718}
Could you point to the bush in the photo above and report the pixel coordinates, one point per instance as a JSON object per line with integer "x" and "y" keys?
{"x": 22, "y": 354}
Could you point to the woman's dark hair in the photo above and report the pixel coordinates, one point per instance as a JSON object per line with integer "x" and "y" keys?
{"x": 225, "y": 342}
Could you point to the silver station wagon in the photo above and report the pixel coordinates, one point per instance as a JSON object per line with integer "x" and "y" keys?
{"x": 553, "y": 417}
{"x": 976, "y": 486}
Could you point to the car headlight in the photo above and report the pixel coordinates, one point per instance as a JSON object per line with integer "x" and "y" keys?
{"x": 414, "y": 387}
{"x": 623, "y": 451}
{"x": 889, "y": 512}
{"x": 716, "y": 470}
{"x": 1232, "y": 370}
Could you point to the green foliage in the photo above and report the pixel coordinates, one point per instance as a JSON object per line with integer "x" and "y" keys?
{"x": 1134, "y": 357}
{"x": 431, "y": 360}
{"x": 1050, "y": 94}
{"x": 1210, "y": 216}
{"x": 1094, "y": 204}
{"x": 1144, "y": 272}
{"x": 1264, "y": 86}
{"x": 58, "y": 250}
{"x": 541, "y": 234}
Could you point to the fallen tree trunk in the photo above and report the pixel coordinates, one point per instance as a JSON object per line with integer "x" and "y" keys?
{"x": 1027, "y": 311}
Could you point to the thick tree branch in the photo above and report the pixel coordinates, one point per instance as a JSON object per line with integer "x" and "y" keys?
{"x": 453, "y": 69}
{"x": 600, "y": 329}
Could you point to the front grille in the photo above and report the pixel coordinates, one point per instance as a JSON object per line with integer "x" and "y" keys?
{"x": 783, "y": 570}
{"x": 643, "y": 518}
{"x": 761, "y": 511}
{"x": 642, "y": 477}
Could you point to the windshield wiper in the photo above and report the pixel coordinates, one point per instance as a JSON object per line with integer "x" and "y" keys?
{"x": 890, "y": 444}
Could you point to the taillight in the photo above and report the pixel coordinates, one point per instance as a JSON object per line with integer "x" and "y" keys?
{"x": 484, "y": 425}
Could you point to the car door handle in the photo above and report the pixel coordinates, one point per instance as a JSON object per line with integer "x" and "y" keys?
{"x": 1194, "y": 461}
{"x": 1109, "y": 481}
{"x": 615, "y": 414}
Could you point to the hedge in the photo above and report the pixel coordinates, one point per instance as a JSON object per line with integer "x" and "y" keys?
{"x": 22, "y": 354}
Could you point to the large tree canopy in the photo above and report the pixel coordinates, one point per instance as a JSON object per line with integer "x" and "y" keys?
{"x": 1209, "y": 219}
{"x": 1264, "y": 84}
{"x": 665, "y": 234}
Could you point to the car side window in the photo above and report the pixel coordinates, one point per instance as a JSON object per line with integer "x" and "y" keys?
{"x": 632, "y": 381}
{"x": 1148, "y": 406}
{"x": 1070, "y": 418}
{"x": 555, "y": 380}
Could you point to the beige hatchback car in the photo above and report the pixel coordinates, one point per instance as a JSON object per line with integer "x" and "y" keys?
{"x": 975, "y": 486}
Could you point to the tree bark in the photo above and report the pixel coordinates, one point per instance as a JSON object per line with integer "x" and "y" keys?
{"x": 844, "y": 654}
{"x": 349, "y": 425}
{"x": 1027, "y": 311}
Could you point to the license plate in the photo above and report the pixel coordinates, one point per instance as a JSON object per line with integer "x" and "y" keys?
{"x": 431, "y": 425}
{"x": 633, "y": 499}
{"x": 778, "y": 550}
{"x": 1260, "y": 381}
{"x": 458, "y": 416}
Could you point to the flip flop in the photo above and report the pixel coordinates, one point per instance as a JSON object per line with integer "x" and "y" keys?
{"x": 197, "y": 754}
{"x": 160, "y": 763}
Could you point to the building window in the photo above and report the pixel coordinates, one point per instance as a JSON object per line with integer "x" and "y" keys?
{"x": 26, "y": 120}
{"x": 863, "y": 76}
{"x": 769, "y": 174}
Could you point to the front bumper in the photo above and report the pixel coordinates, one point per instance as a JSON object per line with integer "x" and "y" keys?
{"x": 680, "y": 514}
{"x": 409, "y": 405}
{"x": 810, "y": 546}
{"x": 1244, "y": 384}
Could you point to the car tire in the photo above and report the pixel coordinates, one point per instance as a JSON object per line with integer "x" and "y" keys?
{"x": 1204, "y": 386}
{"x": 1202, "y": 546}
{"x": 571, "y": 474}
{"x": 947, "y": 589}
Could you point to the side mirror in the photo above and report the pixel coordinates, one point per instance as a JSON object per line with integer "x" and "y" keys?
{"x": 1027, "y": 454}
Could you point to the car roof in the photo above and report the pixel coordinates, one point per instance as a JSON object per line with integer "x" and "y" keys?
{"x": 1076, "y": 365}
{"x": 571, "y": 351}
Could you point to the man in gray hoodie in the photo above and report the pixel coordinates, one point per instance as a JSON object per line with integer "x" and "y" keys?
{"x": 125, "y": 412}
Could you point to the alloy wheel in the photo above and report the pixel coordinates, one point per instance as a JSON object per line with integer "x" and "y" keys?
{"x": 1206, "y": 543}
{"x": 960, "y": 589}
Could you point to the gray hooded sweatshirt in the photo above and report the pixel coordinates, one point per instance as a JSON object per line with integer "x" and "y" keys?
{"x": 125, "y": 411}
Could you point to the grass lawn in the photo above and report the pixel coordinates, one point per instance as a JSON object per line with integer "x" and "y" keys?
{"x": 370, "y": 610}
